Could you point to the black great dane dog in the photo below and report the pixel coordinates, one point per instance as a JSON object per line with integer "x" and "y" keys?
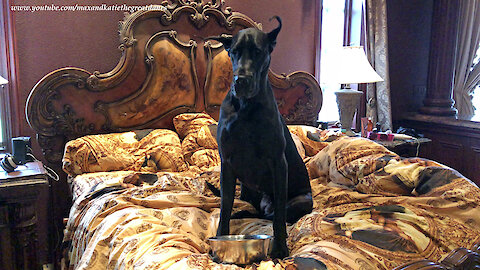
{"x": 254, "y": 143}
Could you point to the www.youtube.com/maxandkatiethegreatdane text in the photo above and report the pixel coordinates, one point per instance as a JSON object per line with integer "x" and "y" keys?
{"x": 77, "y": 7}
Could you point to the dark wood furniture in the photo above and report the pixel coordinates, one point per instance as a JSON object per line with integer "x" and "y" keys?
{"x": 406, "y": 148}
{"x": 23, "y": 217}
{"x": 455, "y": 143}
{"x": 458, "y": 259}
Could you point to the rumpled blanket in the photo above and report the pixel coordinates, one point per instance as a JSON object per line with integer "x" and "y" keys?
{"x": 372, "y": 210}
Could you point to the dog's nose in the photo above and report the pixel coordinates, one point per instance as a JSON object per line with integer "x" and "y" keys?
{"x": 242, "y": 80}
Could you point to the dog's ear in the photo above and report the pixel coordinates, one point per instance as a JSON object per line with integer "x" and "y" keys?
{"x": 272, "y": 36}
{"x": 225, "y": 39}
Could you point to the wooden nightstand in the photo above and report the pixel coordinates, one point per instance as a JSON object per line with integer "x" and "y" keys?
{"x": 23, "y": 217}
{"x": 405, "y": 148}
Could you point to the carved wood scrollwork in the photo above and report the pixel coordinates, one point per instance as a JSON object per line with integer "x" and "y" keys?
{"x": 200, "y": 12}
{"x": 51, "y": 150}
{"x": 41, "y": 113}
{"x": 72, "y": 102}
{"x": 54, "y": 124}
{"x": 168, "y": 14}
{"x": 306, "y": 108}
{"x": 172, "y": 75}
{"x": 219, "y": 76}
{"x": 68, "y": 123}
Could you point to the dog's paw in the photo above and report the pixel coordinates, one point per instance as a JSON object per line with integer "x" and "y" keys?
{"x": 279, "y": 251}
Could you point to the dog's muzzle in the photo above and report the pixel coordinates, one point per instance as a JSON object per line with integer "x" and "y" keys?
{"x": 243, "y": 86}
{"x": 243, "y": 81}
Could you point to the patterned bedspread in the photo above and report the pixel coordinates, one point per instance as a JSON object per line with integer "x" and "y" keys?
{"x": 372, "y": 210}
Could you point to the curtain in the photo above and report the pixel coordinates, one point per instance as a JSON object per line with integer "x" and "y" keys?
{"x": 379, "y": 107}
{"x": 466, "y": 76}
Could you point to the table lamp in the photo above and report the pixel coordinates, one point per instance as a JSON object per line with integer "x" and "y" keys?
{"x": 350, "y": 66}
{"x": 3, "y": 81}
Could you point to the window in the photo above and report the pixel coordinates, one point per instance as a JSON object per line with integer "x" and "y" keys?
{"x": 476, "y": 92}
{"x": 342, "y": 22}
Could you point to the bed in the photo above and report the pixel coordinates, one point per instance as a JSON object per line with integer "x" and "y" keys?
{"x": 138, "y": 160}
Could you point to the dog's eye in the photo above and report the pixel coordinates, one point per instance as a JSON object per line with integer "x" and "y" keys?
{"x": 258, "y": 51}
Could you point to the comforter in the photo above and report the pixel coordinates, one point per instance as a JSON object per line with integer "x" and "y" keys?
{"x": 372, "y": 210}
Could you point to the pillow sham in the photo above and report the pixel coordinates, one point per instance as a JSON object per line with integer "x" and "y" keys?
{"x": 144, "y": 150}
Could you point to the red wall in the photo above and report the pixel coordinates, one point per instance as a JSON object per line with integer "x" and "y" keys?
{"x": 47, "y": 40}
{"x": 295, "y": 48}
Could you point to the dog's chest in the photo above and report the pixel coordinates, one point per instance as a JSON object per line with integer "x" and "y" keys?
{"x": 253, "y": 133}
{"x": 251, "y": 146}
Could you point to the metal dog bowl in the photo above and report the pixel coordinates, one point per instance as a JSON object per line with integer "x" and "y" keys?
{"x": 240, "y": 249}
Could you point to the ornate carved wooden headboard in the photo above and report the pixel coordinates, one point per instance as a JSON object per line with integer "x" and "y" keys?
{"x": 166, "y": 68}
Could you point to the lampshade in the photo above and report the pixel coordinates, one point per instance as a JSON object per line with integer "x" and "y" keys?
{"x": 350, "y": 65}
{"x": 3, "y": 81}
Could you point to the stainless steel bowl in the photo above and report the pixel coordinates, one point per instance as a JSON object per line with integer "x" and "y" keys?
{"x": 240, "y": 249}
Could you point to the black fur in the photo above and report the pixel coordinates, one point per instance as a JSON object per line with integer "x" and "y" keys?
{"x": 254, "y": 143}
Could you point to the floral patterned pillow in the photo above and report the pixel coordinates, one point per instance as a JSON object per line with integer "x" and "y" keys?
{"x": 144, "y": 150}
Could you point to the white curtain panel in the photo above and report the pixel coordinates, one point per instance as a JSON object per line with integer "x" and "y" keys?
{"x": 466, "y": 78}
{"x": 379, "y": 107}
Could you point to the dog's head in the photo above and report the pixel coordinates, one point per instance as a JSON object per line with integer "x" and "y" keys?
{"x": 249, "y": 51}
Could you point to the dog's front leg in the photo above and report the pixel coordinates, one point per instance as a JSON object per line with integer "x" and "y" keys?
{"x": 280, "y": 172}
{"x": 227, "y": 192}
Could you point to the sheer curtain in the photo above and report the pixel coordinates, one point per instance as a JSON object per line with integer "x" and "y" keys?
{"x": 467, "y": 76}
{"x": 379, "y": 107}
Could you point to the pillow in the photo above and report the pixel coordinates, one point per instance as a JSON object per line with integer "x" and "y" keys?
{"x": 348, "y": 159}
{"x": 188, "y": 123}
{"x": 199, "y": 147}
{"x": 311, "y": 147}
{"x": 145, "y": 150}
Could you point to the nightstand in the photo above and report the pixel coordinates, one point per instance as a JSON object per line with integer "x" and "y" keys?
{"x": 23, "y": 217}
{"x": 405, "y": 148}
